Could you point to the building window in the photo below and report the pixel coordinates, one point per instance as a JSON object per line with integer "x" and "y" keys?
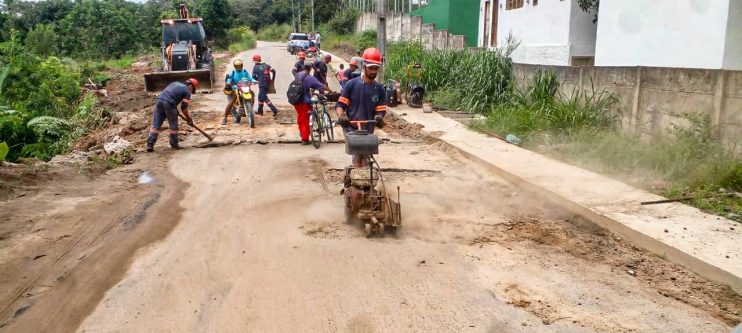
{"x": 513, "y": 4}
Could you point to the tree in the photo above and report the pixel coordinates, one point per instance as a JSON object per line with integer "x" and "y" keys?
{"x": 42, "y": 40}
{"x": 217, "y": 18}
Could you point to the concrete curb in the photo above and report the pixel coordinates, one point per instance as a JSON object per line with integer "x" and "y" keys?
{"x": 684, "y": 257}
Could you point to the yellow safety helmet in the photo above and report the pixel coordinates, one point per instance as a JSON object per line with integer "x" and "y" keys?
{"x": 237, "y": 64}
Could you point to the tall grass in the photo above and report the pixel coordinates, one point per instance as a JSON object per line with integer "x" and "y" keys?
{"x": 275, "y": 32}
{"x": 479, "y": 78}
{"x": 241, "y": 39}
{"x": 120, "y": 63}
{"x": 539, "y": 107}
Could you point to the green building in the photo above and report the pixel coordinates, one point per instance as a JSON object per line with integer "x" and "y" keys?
{"x": 459, "y": 17}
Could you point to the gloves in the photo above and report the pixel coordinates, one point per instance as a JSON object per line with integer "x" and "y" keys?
{"x": 379, "y": 121}
{"x": 343, "y": 121}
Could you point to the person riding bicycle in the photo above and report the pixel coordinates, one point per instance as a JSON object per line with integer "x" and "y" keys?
{"x": 302, "y": 109}
{"x": 363, "y": 98}
{"x": 299, "y": 65}
{"x": 265, "y": 75}
{"x": 238, "y": 74}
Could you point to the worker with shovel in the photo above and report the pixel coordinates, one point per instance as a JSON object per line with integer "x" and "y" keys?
{"x": 166, "y": 108}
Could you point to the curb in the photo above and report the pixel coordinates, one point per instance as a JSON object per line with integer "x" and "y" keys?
{"x": 635, "y": 237}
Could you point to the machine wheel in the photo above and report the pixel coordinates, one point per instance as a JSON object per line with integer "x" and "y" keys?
{"x": 327, "y": 122}
{"x": 250, "y": 114}
{"x": 367, "y": 229}
{"x": 315, "y": 130}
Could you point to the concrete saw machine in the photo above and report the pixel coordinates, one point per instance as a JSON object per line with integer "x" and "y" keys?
{"x": 367, "y": 199}
{"x": 185, "y": 53}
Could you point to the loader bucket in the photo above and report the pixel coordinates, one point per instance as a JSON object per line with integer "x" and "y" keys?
{"x": 156, "y": 82}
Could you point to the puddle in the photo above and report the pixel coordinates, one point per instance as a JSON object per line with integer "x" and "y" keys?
{"x": 146, "y": 178}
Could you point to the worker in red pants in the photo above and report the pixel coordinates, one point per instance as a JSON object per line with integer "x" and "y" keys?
{"x": 309, "y": 82}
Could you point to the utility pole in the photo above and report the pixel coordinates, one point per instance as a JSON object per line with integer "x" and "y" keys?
{"x": 313, "y": 16}
{"x": 381, "y": 32}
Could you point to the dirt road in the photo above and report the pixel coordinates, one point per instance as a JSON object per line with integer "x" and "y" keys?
{"x": 261, "y": 245}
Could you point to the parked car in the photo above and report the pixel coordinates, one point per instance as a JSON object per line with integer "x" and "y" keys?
{"x": 297, "y": 42}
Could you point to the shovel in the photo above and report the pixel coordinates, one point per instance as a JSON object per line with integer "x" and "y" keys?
{"x": 211, "y": 138}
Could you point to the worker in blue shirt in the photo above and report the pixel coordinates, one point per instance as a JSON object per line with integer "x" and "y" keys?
{"x": 363, "y": 98}
{"x": 265, "y": 75}
{"x": 166, "y": 107}
{"x": 320, "y": 68}
{"x": 238, "y": 74}
{"x": 299, "y": 65}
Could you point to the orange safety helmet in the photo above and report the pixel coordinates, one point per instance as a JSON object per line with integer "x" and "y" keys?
{"x": 256, "y": 58}
{"x": 302, "y": 55}
{"x": 371, "y": 56}
{"x": 194, "y": 83}
{"x": 353, "y": 62}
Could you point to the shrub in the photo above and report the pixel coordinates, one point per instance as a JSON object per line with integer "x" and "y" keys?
{"x": 483, "y": 78}
{"x": 241, "y": 39}
{"x": 344, "y": 21}
{"x": 49, "y": 129}
{"x": 274, "y": 32}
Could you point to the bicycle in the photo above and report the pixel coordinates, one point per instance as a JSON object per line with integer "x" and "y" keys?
{"x": 320, "y": 121}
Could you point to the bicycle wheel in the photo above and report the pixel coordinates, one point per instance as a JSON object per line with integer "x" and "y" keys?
{"x": 315, "y": 131}
{"x": 327, "y": 123}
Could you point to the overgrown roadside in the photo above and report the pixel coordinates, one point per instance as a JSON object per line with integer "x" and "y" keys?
{"x": 688, "y": 164}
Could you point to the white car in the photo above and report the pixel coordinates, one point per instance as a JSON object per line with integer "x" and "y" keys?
{"x": 297, "y": 42}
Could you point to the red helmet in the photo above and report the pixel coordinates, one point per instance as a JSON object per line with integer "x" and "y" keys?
{"x": 372, "y": 56}
{"x": 302, "y": 55}
{"x": 353, "y": 62}
{"x": 256, "y": 58}
{"x": 328, "y": 57}
{"x": 194, "y": 83}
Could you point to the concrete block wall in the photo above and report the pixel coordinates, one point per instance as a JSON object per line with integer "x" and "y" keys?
{"x": 651, "y": 99}
{"x": 401, "y": 27}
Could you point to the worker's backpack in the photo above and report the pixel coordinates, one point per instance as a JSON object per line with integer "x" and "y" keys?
{"x": 295, "y": 94}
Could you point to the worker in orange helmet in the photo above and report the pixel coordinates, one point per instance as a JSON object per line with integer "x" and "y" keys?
{"x": 363, "y": 97}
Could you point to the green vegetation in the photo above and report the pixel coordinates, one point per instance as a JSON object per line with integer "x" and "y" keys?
{"x": 540, "y": 108}
{"x": 477, "y": 79}
{"x": 343, "y": 22}
{"x": 275, "y": 32}
{"x": 241, "y": 39}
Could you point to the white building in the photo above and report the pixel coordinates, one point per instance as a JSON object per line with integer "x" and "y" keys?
{"x": 686, "y": 34}
{"x": 550, "y": 32}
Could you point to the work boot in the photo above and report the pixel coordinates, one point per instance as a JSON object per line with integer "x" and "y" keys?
{"x": 260, "y": 110}
{"x": 224, "y": 121}
{"x": 174, "y": 141}
{"x": 151, "y": 139}
{"x": 274, "y": 110}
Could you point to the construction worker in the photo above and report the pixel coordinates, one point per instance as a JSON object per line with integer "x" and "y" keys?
{"x": 320, "y": 69}
{"x": 299, "y": 65}
{"x": 363, "y": 98}
{"x": 351, "y": 72}
{"x": 238, "y": 74}
{"x": 302, "y": 109}
{"x": 265, "y": 75}
{"x": 166, "y": 107}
